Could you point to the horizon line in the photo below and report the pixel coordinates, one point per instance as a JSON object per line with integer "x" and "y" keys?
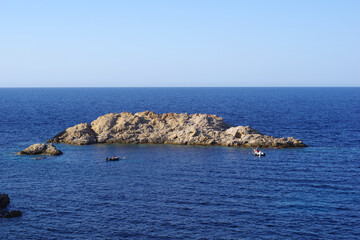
{"x": 201, "y": 87}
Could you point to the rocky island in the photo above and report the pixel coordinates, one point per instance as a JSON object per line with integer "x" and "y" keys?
{"x": 169, "y": 128}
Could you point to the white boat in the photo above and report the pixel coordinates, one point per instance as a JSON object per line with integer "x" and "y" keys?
{"x": 258, "y": 153}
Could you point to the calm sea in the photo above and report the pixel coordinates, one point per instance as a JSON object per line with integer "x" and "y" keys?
{"x": 184, "y": 192}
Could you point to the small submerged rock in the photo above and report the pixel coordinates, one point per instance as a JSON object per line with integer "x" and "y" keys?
{"x": 41, "y": 149}
{"x": 10, "y": 214}
{"x": 4, "y": 202}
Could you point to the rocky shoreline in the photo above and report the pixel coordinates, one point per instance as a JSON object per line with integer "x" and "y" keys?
{"x": 169, "y": 128}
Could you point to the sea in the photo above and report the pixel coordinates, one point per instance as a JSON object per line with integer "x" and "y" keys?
{"x": 184, "y": 192}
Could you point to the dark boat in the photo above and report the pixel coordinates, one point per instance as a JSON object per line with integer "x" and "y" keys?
{"x": 113, "y": 159}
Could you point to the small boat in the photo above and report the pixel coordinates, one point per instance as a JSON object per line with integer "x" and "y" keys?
{"x": 113, "y": 159}
{"x": 258, "y": 153}
{"x": 39, "y": 158}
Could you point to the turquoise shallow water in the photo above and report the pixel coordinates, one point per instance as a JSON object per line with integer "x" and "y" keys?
{"x": 184, "y": 192}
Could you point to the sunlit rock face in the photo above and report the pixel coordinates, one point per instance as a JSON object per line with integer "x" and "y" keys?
{"x": 169, "y": 128}
{"x": 40, "y": 149}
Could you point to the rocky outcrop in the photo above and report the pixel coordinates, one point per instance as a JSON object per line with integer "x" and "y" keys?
{"x": 4, "y": 201}
{"x": 80, "y": 134}
{"x": 169, "y": 128}
{"x": 40, "y": 149}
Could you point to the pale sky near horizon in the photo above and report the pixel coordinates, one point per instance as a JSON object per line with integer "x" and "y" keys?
{"x": 197, "y": 43}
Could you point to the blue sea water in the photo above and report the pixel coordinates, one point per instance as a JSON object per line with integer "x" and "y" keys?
{"x": 184, "y": 192}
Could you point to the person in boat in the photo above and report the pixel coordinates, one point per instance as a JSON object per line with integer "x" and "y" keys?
{"x": 113, "y": 157}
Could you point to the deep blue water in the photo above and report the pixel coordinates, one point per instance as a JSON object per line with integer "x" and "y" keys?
{"x": 184, "y": 192}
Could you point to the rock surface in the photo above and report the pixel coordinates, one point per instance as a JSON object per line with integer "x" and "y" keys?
{"x": 10, "y": 214}
{"x": 80, "y": 134}
{"x": 169, "y": 128}
{"x": 40, "y": 149}
{"x": 4, "y": 200}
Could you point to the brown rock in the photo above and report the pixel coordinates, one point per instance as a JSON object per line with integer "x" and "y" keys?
{"x": 80, "y": 134}
{"x": 169, "y": 128}
{"x": 40, "y": 149}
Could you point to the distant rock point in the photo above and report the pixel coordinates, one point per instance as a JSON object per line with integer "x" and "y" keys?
{"x": 169, "y": 128}
{"x": 40, "y": 149}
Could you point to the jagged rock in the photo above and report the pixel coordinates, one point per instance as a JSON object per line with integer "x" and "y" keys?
{"x": 80, "y": 134}
{"x": 10, "y": 214}
{"x": 4, "y": 200}
{"x": 169, "y": 128}
{"x": 40, "y": 149}
{"x": 240, "y": 131}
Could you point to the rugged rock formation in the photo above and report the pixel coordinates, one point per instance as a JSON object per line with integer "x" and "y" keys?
{"x": 169, "y": 128}
{"x": 80, "y": 134}
{"x": 40, "y": 149}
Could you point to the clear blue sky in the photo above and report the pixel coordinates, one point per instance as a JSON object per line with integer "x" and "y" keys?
{"x": 184, "y": 43}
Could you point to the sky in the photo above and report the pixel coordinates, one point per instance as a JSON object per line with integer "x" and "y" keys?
{"x": 184, "y": 43}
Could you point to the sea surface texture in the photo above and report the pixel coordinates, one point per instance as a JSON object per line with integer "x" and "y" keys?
{"x": 184, "y": 192}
